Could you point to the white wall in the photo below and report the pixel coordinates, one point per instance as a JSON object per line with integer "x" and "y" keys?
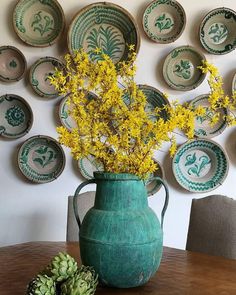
{"x": 38, "y": 211}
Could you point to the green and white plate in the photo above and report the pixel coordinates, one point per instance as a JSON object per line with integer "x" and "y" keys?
{"x": 12, "y": 64}
{"x": 16, "y": 116}
{"x": 200, "y": 165}
{"x": 164, "y": 21}
{"x": 217, "y": 31}
{"x": 234, "y": 84}
{"x": 38, "y": 22}
{"x": 153, "y": 185}
{"x": 202, "y": 124}
{"x": 180, "y": 69}
{"x": 89, "y": 165}
{"x": 104, "y": 25}
{"x": 41, "y": 159}
{"x": 39, "y": 75}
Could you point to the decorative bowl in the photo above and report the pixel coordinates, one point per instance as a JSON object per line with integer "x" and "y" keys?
{"x": 180, "y": 69}
{"x": 16, "y": 116}
{"x": 38, "y": 22}
{"x": 164, "y": 21}
{"x": 89, "y": 165}
{"x": 234, "y": 84}
{"x": 153, "y": 185}
{"x": 217, "y": 31}
{"x": 104, "y": 25}
{"x": 12, "y": 64}
{"x": 200, "y": 165}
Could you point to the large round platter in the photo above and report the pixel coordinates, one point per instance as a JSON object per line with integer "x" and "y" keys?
{"x": 202, "y": 124}
{"x": 217, "y": 31}
{"x": 39, "y": 75}
{"x": 153, "y": 185}
{"x": 16, "y": 117}
{"x": 38, "y": 22}
{"x": 104, "y": 25}
{"x": 180, "y": 69}
{"x": 234, "y": 84}
{"x": 12, "y": 64}
{"x": 200, "y": 165}
{"x": 164, "y": 21}
{"x": 89, "y": 165}
{"x": 41, "y": 159}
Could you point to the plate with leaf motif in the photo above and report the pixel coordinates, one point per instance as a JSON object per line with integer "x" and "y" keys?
{"x": 202, "y": 124}
{"x": 39, "y": 75}
{"x": 89, "y": 165}
{"x": 217, "y": 31}
{"x": 153, "y": 185}
{"x": 180, "y": 69}
{"x": 16, "y": 116}
{"x": 12, "y": 64}
{"x": 38, "y": 22}
{"x": 234, "y": 84}
{"x": 164, "y": 21}
{"x": 104, "y": 25}
{"x": 200, "y": 165}
{"x": 41, "y": 159}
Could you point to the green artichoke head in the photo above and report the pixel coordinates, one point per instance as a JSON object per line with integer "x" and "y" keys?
{"x": 41, "y": 285}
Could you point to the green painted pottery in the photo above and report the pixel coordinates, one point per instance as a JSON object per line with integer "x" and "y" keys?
{"x": 120, "y": 236}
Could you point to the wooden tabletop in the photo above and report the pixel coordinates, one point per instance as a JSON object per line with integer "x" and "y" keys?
{"x": 180, "y": 273}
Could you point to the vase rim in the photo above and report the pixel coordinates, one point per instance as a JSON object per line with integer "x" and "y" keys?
{"x": 115, "y": 176}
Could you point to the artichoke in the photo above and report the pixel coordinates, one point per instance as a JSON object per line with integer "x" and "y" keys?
{"x": 41, "y": 285}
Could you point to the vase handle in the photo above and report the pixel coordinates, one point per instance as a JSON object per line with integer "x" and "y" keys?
{"x": 76, "y": 195}
{"x": 166, "y": 197}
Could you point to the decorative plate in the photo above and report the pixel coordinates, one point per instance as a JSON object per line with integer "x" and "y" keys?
{"x": 200, "y": 165}
{"x": 104, "y": 25}
{"x": 38, "y": 22}
{"x": 39, "y": 73}
{"x": 180, "y": 69}
{"x": 89, "y": 165}
{"x": 217, "y": 31}
{"x": 164, "y": 21}
{"x": 16, "y": 117}
{"x": 203, "y": 128}
{"x": 41, "y": 159}
{"x": 12, "y": 64}
{"x": 234, "y": 84}
{"x": 153, "y": 185}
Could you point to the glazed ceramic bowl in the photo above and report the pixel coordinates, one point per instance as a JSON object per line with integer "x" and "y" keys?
{"x": 89, "y": 165}
{"x": 234, "y": 84}
{"x": 152, "y": 184}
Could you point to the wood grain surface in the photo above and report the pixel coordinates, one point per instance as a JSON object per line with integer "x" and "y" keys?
{"x": 181, "y": 272}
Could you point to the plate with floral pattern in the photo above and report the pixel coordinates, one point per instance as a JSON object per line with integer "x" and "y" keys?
{"x": 234, "y": 84}
{"x": 16, "y": 116}
{"x": 153, "y": 185}
{"x": 41, "y": 159}
{"x": 180, "y": 69}
{"x": 217, "y": 31}
{"x": 164, "y": 21}
{"x": 38, "y": 22}
{"x": 39, "y": 75}
{"x": 89, "y": 165}
{"x": 12, "y": 64}
{"x": 104, "y": 25}
{"x": 200, "y": 165}
{"x": 202, "y": 124}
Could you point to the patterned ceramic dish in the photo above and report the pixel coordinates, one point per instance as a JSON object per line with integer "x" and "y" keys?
{"x": 89, "y": 165}
{"x": 38, "y": 22}
{"x": 164, "y": 21}
{"x": 200, "y": 165}
{"x": 153, "y": 185}
{"x": 16, "y": 117}
{"x": 203, "y": 128}
{"x": 41, "y": 159}
{"x": 180, "y": 69}
{"x": 234, "y": 84}
{"x": 104, "y": 25}
{"x": 12, "y": 64}
{"x": 39, "y": 73}
{"x": 217, "y": 31}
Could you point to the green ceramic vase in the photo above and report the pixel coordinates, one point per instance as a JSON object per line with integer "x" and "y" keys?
{"x": 120, "y": 236}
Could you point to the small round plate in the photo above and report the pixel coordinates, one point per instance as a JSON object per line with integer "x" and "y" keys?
{"x": 16, "y": 116}
{"x": 200, "y": 165}
{"x": 104, "y": 25}
{"x": 89, "y": 165}
{"x": 234, "y": 84}
{"x": 12, "y": 64}
{"x": 180, "y": 69}
{"x": 38, "y": 22}
{"x": 41, "y": 159}
{"x": 217, "y": 31}
{"x": 164, "y": 21}
{"x": 39, "y": 75}
{"x": 153, "y": 185}
{"x": 202, "y": 124}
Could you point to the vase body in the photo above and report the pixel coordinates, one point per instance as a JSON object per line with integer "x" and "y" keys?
{"x": 121, "y": 236}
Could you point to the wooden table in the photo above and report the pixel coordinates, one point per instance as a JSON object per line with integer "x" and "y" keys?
{"x": 181, "y": 272}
